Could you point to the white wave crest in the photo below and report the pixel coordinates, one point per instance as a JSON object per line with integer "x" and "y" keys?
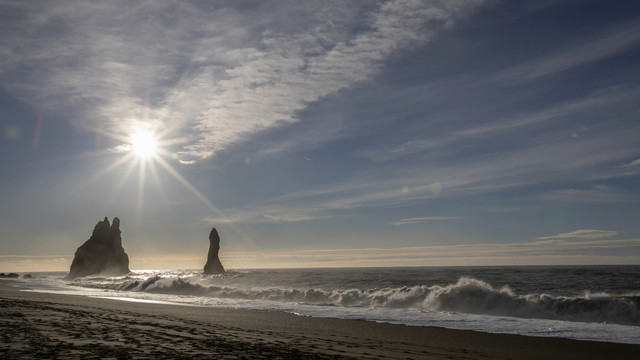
{"x": 467, "y": 295}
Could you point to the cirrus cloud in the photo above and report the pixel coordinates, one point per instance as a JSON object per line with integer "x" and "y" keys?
{"x": 215, "y": 75}
{"x": 581, "y": 234}
{"x": 420, "y": 220}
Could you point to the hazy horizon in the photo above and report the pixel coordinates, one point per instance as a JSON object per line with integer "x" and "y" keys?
{"x": 327, "y": 134}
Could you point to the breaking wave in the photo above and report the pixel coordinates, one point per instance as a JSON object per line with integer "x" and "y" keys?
{"x": 467, "y": 295}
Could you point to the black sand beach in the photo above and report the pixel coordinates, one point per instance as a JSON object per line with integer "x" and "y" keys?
{"x": 50, "y": 326}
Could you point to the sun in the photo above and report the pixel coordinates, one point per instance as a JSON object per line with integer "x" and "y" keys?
{"x": 144, "y": 144}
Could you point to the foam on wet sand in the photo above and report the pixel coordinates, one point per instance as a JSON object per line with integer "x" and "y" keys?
{"x": 41, "y": 325}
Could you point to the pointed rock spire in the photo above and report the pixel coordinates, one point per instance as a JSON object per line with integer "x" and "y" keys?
{"x": 213, "y": 265}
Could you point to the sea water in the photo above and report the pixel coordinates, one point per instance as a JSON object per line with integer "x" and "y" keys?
{"x": 599, "y": 303}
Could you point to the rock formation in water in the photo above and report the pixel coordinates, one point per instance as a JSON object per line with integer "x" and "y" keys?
{"x": 9, "y": 275}
{"x": 102, "y": 253}
{"x": 213, "y": 265}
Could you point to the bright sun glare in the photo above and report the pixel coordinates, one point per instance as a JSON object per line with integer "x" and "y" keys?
{"x": 144, "y": 144}
{"x": 143, "y": 147}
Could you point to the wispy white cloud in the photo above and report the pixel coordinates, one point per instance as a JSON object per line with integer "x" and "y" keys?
{"x": 215, "y": 73}
{"x": 121, "y": 148}
{"x": 277, "y": 81}
{"x": 420, "y": 220}
{"x": 594, "y": 49}
{"x": 581, "y": 234}
{"x": 633, "y": 163}
{"x": 586, "y": 159}
{"x": 591, "y": 194}
{"x": 541, "y": 163}
{"x": 268, "y": 214}
{"x": 501, "y": 125}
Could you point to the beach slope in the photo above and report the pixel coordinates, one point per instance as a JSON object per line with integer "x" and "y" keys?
{"x": 40, "y": 325}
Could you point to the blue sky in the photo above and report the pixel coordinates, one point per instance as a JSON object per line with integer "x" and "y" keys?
{"x": 322, "y": 134}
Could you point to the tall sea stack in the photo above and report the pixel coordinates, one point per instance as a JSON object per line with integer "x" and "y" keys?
{"x": 102, "y": 253}
{"x": 213, "y": 265}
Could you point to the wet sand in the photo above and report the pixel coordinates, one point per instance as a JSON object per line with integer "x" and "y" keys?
{"x": 50, "y": 326}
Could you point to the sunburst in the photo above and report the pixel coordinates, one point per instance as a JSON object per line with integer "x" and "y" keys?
{"x": 144, "y": 144}
{"x": 142, "y": 147}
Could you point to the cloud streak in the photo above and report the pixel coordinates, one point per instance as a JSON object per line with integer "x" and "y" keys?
{"x": 501, "y": 126}
{"x": 271, "y": 85}
{"x": 582, "y": 160}
{"x": 581, "y": 234}
{"x": 633, "y": 163}
{"x": 420, "y": 220}
{"x": 588, "y": 195}
{"x": 613, "y": 42}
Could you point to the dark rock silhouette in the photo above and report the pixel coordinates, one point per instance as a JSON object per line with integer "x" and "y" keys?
{"x": 213, "y": 265}
{"x": 102, "y": 253}
{"x": 9, "y": 275}
{"x": 27, "y": 276}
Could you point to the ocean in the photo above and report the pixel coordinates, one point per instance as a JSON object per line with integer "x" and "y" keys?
{"x": 599, "y": 303}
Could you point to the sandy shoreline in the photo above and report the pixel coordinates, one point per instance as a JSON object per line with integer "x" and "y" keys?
{"x": 40, "y": 325}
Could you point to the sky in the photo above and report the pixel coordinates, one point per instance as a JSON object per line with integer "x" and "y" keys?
{"x": 321, "y": 134}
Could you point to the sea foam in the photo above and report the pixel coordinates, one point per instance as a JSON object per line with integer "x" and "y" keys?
{"x": 467, "y": 295}
{"x": 590, "y": 303}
